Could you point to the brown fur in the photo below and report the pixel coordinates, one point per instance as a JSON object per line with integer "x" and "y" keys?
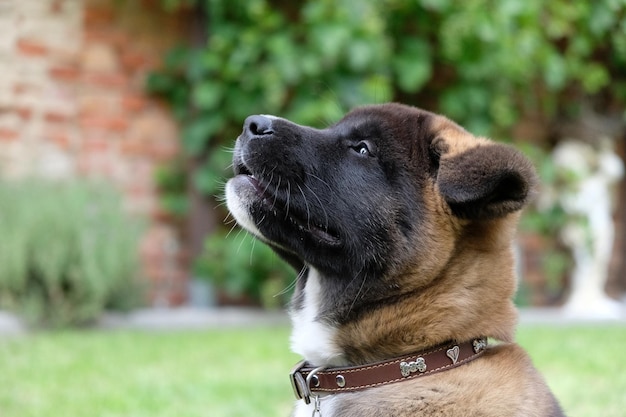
{"x": 463, "y": 288}
{"x": 501, "y": 383}
{"x": 434, "y": 264}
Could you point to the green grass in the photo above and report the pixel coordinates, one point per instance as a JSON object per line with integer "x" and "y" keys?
{"x": 213, "y": 373}
{"x": 584, "y": 366}
{"x": 225, "y": 373}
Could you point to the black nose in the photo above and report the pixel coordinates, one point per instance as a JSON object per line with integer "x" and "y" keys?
{"x": 258, "y": 125}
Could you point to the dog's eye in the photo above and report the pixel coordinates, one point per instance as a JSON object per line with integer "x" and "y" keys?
{"x": 364, "y": 149}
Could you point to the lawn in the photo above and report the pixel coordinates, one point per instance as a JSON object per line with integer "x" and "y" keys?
{"x": 243, "y": 372}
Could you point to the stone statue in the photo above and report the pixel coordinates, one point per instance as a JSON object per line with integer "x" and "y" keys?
{"x": 591, "y": 173}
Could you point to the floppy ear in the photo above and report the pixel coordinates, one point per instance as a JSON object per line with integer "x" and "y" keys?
{"x": 486, "y": 182}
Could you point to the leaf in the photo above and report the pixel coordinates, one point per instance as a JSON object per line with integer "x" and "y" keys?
{"x": 159, "y": 83}
{"x": 330, "y": 39}
{"x": 601, "y": 18}
{"x": 555, "y": 72}
{"x": 285, "y": 59}
{"x": 210, "y": 178}
{"x": 197, "y": 135}
{"x": 595, "y": 77}
{"x": 200, "y": 63}
{"x": 377, "y": 88}
{"x": 360, "y": 54}
{"x": 412, "y": 65}
{"x": 207, "y": 95}
{"x": 177, "y": 58}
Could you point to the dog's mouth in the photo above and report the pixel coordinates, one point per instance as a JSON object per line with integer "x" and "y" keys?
{"x": 287, "y": 209}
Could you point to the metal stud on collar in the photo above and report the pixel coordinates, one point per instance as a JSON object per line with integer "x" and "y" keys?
{"x": 312, "y": 379}
{"x": 309, "y": 383}
{"x": 407, "y": 368}
{"x": 480, "y": 344}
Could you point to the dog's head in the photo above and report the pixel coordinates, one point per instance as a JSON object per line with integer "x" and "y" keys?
{"x": 377, "y": 203}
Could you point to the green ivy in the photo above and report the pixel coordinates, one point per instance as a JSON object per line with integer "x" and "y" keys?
{"x": 240, "y": 265}
{"x": 311, "y": 61}
{"x": 484, "y": 63}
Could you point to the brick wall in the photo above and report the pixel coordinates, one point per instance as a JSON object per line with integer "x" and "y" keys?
{"x": 72, "y": 105}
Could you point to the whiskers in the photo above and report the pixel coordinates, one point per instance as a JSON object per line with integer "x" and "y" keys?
{"x": 306, "y": 204}
{"x": 360, "y": 290}
{"x": 292, "y": 284}
{"x": 321, "y": 204}
{"x": 232, "y": 221}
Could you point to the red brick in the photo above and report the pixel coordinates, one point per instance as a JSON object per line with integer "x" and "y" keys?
{"x": 168, "y": 287}
{"x": 90, "y": 105}
{"x": 110, "y": 123}
{"x": 65, "y": 73}
{"x": 134, "y": 102}
{"x": 100, "y": 58}
{"x": 31, "y": 48}
{"x": 96, "y": 35}
{"x": 120, "y": 39}
{"x": 159, "y": 214}
{"x": 60, "y": 139}
{"x": 24, "y": 113}
{"x": 117, "y": 124}
{"x": 56, "y": 117}
{"x": 7, "y": 134}
{"x": 101, "y": 134}
{"x": 164, "y": 150}
{"x": 107, "y": 80}
{"x": 96, "y": 145}
{"x": 133, "y": 148}
{"x": 151, "y": 269}
{"x": 134, "y": 61}
{"x": 95, "y": 162}
{"x": 107, "y": 35}
{"x": 95, "y": 16}
{"x": 21, "y": 88}
{"x": 56, "y": 7}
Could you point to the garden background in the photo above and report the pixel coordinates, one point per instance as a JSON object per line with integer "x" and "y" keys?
{"x": 146, "y": 97}
{"x": 116, "y": 124}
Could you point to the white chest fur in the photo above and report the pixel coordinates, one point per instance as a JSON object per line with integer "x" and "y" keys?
{"x": 312, "y": 338}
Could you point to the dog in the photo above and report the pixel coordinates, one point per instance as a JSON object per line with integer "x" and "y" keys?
{"x": 400, "y": 224}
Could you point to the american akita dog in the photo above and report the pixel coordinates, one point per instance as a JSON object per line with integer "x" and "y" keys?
{"x": 401, "y": 224}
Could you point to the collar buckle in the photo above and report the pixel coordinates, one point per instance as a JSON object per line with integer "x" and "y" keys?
{"x": 298, "y": 383}
{"x": 301, "y": 385}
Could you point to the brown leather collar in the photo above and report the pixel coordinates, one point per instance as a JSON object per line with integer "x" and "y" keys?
{"x": 309, "y": 381}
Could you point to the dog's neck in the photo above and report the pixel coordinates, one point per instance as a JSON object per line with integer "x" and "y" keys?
{"x": 444, "y": 311}
{"x": 312, "y": 338}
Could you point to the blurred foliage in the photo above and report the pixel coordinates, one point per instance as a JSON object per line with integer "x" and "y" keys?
{"x": 67, "y": 253}
{"x": 243, "y": 266}
{"x": 171, "y": 182}
{"x": 546, "y": 217}
{"x": 484, "y": 63}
